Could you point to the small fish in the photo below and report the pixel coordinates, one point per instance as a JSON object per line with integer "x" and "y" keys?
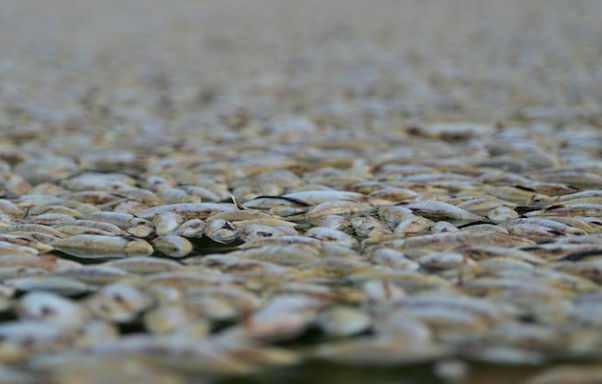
{"x": 193, "y": 228}
{"x": 342, "y": 321}
{"x": 568, "y": 374}
{"x": 450, "y": 240}
{"x": 51, "y": 308}
{"x": 221, "y": 231}
{"x": 444, "y": 260}
{"x": 438, "y": 210}
{"x": 337, "y": 207}
{"x": 318, "y": 197}
{"x": 172, "y": 245}
{"x": 580, "y": 209}
{"x": 283, "y": 317}
{"x": 332, "y": 235}
{"x": 188, "y": 210}
{"x": 103, "y": 246}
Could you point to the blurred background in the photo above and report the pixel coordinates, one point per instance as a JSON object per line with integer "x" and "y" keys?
{"x": 403, "y": 60}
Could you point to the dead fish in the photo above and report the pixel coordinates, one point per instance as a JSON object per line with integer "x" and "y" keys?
{"x": 142, "y": 228}
{"x": 172, "y": 245}
{"x": 188, "y": 210}
{"x": 104, "y": 161}
{"x": 8, "y": 248}
{"x": 144, "y": 265}
{"x": 193, "y": 228}
{"x": 452, "y": 131}
{"x": 244, "y": 215}
{"x": 103, "y": 246}
{"x": 59, "y": 285}
{"x": 239, "y": 300}
{"x": 594, "y": 210}
{"x": 451, "y": 240}
{"x": 558, "y": 250}
{"x": 103, "y": 226}
{"x": 444, "y": 260}
{"x": 318, "y": 197}
{"x": 337, "y": 207}
{"x": 283, "y": 240}
{"x": 177, "y": 195}
{"x": 485, "y": 253}
{"x": 71, "y": 208}
{"x": 211, "y": 308}
{"x": 280, "y": 254}
{"x": 72, "y": 230}
{"x": 51, "y": 219}
{"x": 34, "y": 261}
{"x": 119, "y": 219}
{"x": 394, "y": 214}
{"x": 535, "y": 232}
{"x": 408, "y": 280}
{"x": 413, "y": 224}
{"x": 93, "y": 274}
{"x": 390, "y": 195}
{"x": 9, "y": 208}
{"x": 398, "y": 324}
{"x": 500, "y": 263}
{"x": 485, "y": 228}
{"x": 221, "y": 231}
{"x": 167, "y": 319}
{"x": 282, "y": 318}
{"x": 443, "y": 226}
{"x": 276, "y": 202}
{"x": 247, "y": 267}
{"x": 378, "y": 351}
{"x": 32, "y": 228}
{"x": 251, "y": 232}
{"x": 130, "y": 207}
{"x": 552, "y": 189}
{"x": 591, "y": 196}
{"x": 100, "y": 181}
{"x": 51, "y": 308}
{"x": 577, "y": 178}
{"x": 568, "y": 374}
{"x": 513, "y": 194}
{"x": 591, "y": 269}
{"x": 204, "y": 193}
{"x": 476, "y": 306}
{"x": 332, "y": 235}
{"x": 337, "y": 222}
{"x": 365, "y": 226}
{"x": 21, "y": 339}
{"x": 118, "y": 302}
{"x": 216, "y": 356}
{"x": 558, "y": 227}
{"x": 342, "y": 321}
{"x": 483, "y": 206}
{"x": 188, "y": 279}
{"x": 25, "y": 241}
{"x": 96, "y": 197}
{"x": 392, "y": 258}
{"x": 586, "y": 224}
{"x": 501, "y": 214}
{"x": 438, "y": 211}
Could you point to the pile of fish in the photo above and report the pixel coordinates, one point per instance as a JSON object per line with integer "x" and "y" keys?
{"x": 197, "y": 192}
{"x": 449, "y": 240}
